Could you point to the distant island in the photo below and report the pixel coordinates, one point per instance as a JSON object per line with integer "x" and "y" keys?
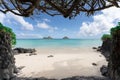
{"x": 49, "y": 37}
{"x": 65, "y": 37}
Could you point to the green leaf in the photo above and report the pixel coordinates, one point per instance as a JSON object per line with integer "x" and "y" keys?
{"x": 106, "y": 37}
{"x": 9, "y": 30}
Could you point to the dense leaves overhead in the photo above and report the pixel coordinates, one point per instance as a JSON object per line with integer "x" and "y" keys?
{"x": 67, "y": 8}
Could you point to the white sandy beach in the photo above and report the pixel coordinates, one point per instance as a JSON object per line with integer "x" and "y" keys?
{"x": 66, "y": 62}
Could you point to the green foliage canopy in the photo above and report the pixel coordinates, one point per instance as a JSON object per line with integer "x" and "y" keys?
{"x": 106, "y": 37}
{"x": 9, "y": 30}
{"x": 115, "y": 29}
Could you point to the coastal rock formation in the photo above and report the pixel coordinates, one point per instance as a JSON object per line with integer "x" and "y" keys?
{"x": 70, "y": 78}
{"x": 85, "y": 78}
{"x": 23, "y": 50}
{"x": 42, "y": 78}
{"x": 49, "y": 37}
{"x": 112, "y": 48}
{"x": 106, "y": 48}
{"x": 65, "y": 37}
{"x": 97, "y": 48}
{"x": 114, "y": 61}
{"x": 104, "y": 70}
{"x": 7, "y": 60}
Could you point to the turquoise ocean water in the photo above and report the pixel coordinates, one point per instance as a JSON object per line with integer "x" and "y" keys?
{"x": 56, "y": 43}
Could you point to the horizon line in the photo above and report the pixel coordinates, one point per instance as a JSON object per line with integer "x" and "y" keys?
{"x": 57, "y": 38}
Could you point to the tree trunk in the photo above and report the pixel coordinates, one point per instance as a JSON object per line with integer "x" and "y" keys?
{"x": 7, "y": 60}
{"x": 114, "y": 62}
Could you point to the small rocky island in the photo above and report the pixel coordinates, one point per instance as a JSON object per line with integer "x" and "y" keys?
{"x": 65, "y": 37}
{"x": 49, "y": 37}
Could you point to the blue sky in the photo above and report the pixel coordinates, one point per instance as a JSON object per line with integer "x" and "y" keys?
{"x": 58, "y": 26}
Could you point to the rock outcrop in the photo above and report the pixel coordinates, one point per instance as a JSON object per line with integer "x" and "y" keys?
{"x": 23, "y": 50}
{"x": 85, "y": 78}
{"x": 111, "y": 50}
{"x": 41, "y": 78}
{"x": 106, "y": 48}
{"x": 7, "y": 60}
{"x": 114, "y": 61}
{"x": 104, "y": 70}
{"x": 69, "y": 78}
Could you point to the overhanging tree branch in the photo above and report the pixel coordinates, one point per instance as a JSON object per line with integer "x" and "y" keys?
{"x": 67, "y": 8}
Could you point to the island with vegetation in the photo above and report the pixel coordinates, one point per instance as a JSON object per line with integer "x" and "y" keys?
{"x": 49, "y": 37}
{"x": 65, "y": 37}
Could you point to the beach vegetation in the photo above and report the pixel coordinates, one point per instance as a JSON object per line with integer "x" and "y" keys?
{"x": 115, "y": 29}
{"x": 106, "y": 37}
{"x": 49, "y": 37}
{"x": 65, "y": 37}
{"x": 9, "y": 30}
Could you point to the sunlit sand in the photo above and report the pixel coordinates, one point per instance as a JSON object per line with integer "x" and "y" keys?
{"x": 60, "y": 63}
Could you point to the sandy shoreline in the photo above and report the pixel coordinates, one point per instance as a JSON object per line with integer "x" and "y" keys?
{"x": 66, "y": 62}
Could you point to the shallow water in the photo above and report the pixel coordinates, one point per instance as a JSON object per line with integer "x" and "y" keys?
{"x": 56, "y": 43}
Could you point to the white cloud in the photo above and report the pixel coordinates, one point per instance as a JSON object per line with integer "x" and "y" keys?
{"x": 2, "y": 17}
{"x": 64, "y": 29}
{"x": 26, "y": 35}
{"x": 11, "y": 18}
{"x": 25, "y": 25}
{"x": 52, "y": 29}
{"x": 44, "y": 25}
{"x": 102, "y": 23}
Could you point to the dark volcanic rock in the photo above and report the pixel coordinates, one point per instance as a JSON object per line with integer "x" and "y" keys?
{"x": 95, "y": 48}
{"x": 105, "y": 51}
{"x": 106, "y": 48}
{"x": 23, "y": 50}
{"x": 32, "y": 54}
{"x": 104, "y": 70}
{"x": 70, "y": 78}
{"x": 85, "y": 78}
{"x": 94, "y": 64}
{"x": 114, "y": 59}
{"x": 99, "y": 48}
{"x": 41, "y": 78}
{"x": 7, "y": 60}
{"x": 106, "y": 45}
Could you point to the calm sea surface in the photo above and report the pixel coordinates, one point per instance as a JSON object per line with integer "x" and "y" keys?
{"x": 38, "y": 43}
